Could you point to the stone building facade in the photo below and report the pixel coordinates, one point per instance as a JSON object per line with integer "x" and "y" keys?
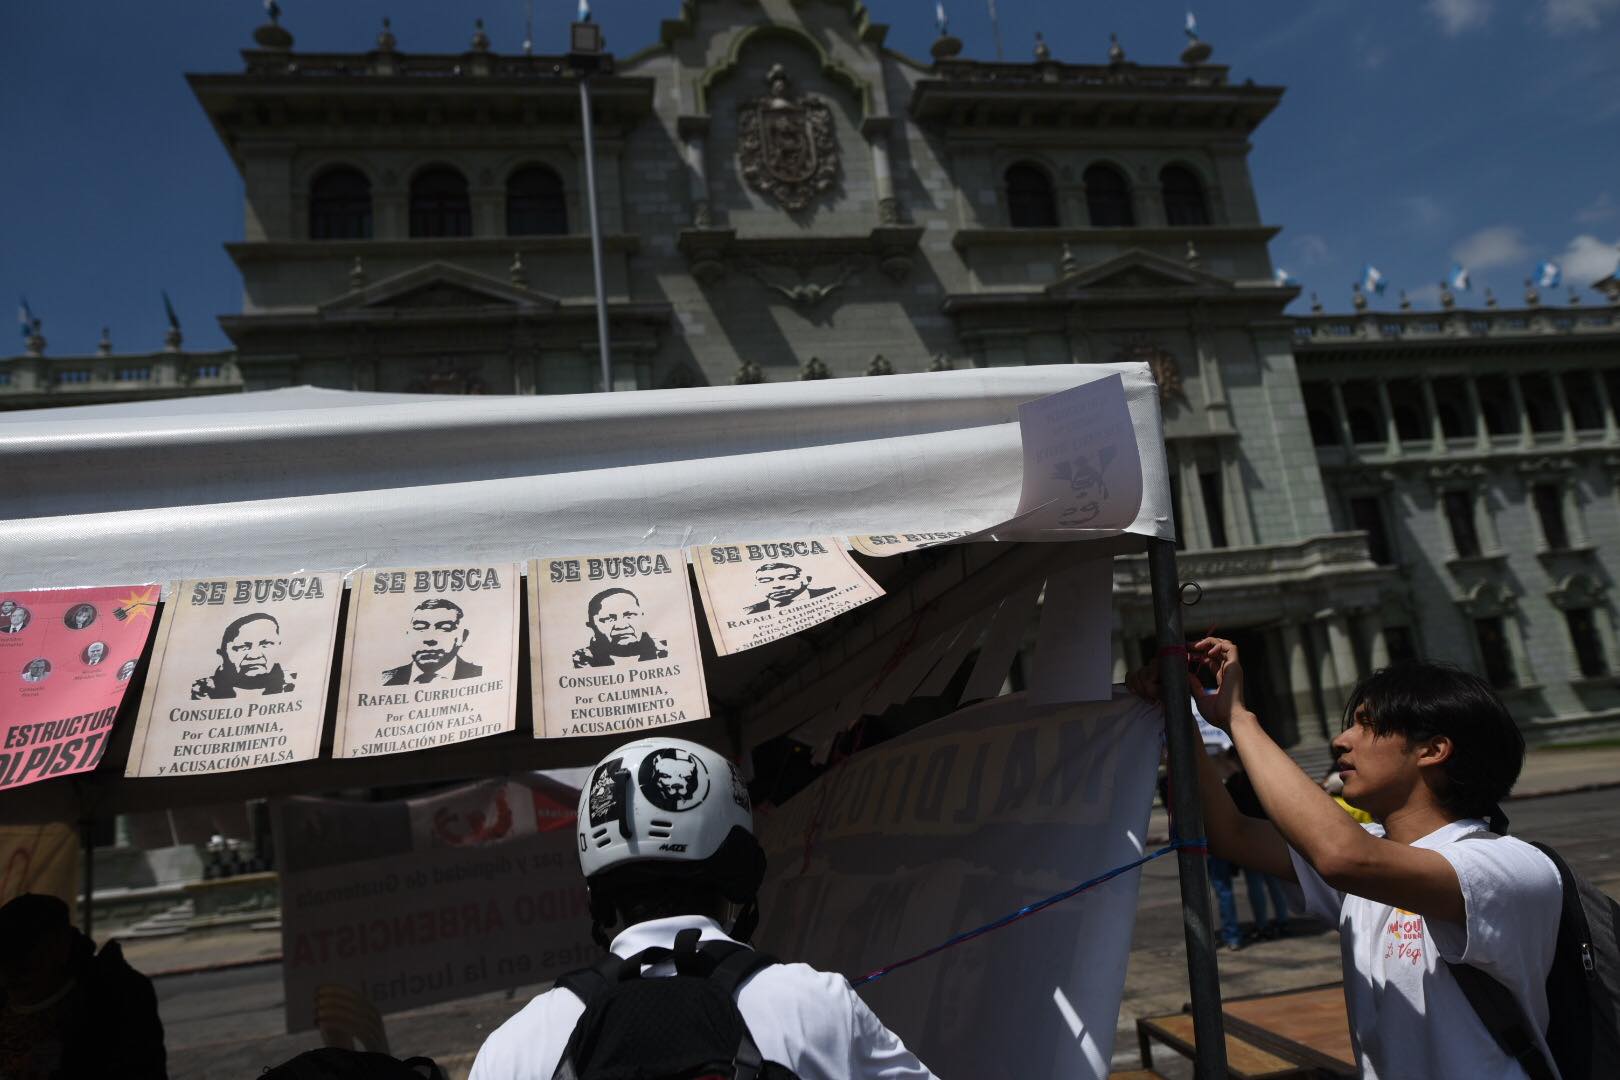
{"x": 784, "y": 197}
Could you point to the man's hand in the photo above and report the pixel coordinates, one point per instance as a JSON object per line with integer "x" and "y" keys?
{"x": 1217, "y": 706}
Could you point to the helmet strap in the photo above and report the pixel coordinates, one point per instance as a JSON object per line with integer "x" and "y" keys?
{"x": 747, "y": 921}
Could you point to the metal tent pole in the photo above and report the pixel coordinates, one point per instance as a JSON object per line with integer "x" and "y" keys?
{"x": 87, "y": 842}
{"x": 596, "y": 231}
{"x": 1203, "y": 978}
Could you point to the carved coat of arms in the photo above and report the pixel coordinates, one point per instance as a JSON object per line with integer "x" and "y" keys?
{"x": 1161, "y": 363}
{"x": 786, "y": 145}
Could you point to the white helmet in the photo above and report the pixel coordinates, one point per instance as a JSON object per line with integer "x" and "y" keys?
{"x": 660, "y": 800}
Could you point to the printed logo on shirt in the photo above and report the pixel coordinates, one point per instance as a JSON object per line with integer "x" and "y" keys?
{"x": 1404, "y": 937}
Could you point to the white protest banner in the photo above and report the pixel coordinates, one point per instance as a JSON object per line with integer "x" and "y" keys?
{"x": 66, "y": 656}
{"x": 756, "y": 593}
{"x": 430, "y": 659}
{"x": 413, "y": 902}
{"x": 953, "y": 825}
{"x": 238, "y": 676}
{"x": 613, "y": 644}
{"x": 1074, "y": 660}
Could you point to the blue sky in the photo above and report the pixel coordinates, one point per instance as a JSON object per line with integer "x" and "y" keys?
{"x": 1413, "y": 133}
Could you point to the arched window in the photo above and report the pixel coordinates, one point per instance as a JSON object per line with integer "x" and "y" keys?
{"x": 1030, "y": 203}
{"x": 1183, "y": 196}
{"x": 340, "y": 205}
{"x": 535, "y": 204}
{"x": 439, "y": 203}
{"x": 1108, "y": 197}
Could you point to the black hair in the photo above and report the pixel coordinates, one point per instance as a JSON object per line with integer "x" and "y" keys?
{"x": 595, "y": 606}
{"x": 1419, "y": 700}
{"x": 28, "y": 919}
{"x": 235, "y": 628}
{"x": 442, "y": 602}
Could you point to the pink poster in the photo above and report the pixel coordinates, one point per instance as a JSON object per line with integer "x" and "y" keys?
{"x": 66, "y": 656}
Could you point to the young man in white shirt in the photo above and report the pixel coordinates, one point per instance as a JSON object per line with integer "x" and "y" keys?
{"x": 667, "y": 845}
{"x": 1428, "y": 751}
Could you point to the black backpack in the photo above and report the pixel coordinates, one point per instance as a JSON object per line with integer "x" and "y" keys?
{"x": 332, "y": 1063}
{"x": 1583, "y": 990}
{"x": 682, "y": 1027}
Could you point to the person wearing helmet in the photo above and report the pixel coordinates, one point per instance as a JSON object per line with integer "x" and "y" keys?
{"x": 667, "y": 845}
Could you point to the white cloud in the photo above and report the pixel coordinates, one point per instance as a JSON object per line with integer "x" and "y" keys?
{"x": 1426, "y": 212}
{"x": 1570, "y": 16}
{"x": 1312, "y": 248}
{"x": 1588, "y": 259}
{"x": 1458, "y": 15}
{"x": 1424, "y": 296}
{"x": 1602, "y": 208}
{"x": 1499, "y": 245}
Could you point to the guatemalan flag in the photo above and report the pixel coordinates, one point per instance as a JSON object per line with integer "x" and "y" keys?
{"x": 939, "y": 16}
{"x": 1192, "y": 26}
{"x": 1459, "y": 278}
{"x": 584, "y": 11}
{"x": 1372, "y": 279}
{"x": 1283, "y": 277}
{"x": 1548, "y": 275}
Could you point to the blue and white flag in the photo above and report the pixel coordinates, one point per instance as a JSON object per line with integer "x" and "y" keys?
{"x": 939, "y": 17}
{"x": 584, "y": 11}
{"x": 1459, "y": 278}
{"x": 1548, "y": 275}
{"x": 25, "y": 316}
{"x": 1192, "y": 26}
{"x": 1283, "y": 277}
{"x": 1372, "y": 279}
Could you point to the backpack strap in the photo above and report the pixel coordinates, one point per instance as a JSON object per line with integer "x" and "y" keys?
{"x": 1504, "y": 1018}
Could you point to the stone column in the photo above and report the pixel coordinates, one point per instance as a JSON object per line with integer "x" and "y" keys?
{"x": 1299, "y": 680}
{"x": 1574, "y": 516}
{"x": 1526, "y": 436}
{"x": 1239, "y": 525}
{"x": 876, "y": 130}
{"x": 1341, "y": 415}
{"x": 694, "y": 130}
{"x": 1562, "y": 399}
{"x": 1437, "y": 434}
{"x": 1490, "y": 538}
{"x": 1195, "y": 529}
{"x": 1377, "y": 643}
{"x": 1147, "y": 203}
{"x": 1610, "y": 431}
{"x": 1516, "y": 646}
{"x": 1482, "y": 435}
{"x": 1327, "y": 676}
{"x": 1392, "y": 434}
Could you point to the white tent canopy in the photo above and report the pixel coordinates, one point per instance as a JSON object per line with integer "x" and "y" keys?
{"x": 307, "y": 479}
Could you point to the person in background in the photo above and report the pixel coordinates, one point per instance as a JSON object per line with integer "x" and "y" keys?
{"x": 66, "y": 1010}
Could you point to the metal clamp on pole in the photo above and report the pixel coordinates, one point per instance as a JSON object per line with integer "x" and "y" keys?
{"x": 1184, "y": 744}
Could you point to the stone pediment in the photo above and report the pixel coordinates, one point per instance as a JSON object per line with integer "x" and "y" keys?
{"x": 1135, "y": 271}
{"x": 436, "y": 287}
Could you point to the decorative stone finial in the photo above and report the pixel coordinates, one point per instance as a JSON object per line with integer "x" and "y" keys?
{"x": 1447, "y": 300}
{"x": 104, "y": 346}
{"x": 748, "y": 373}
{"x": 1406, "y": 305}
{"x": 814, "y": 369}
{"x": 1068, "y": 264}
{"x": 480, "y": 40}
{"x": 1116, "y": 51}
{"x": 357, "y": 274}
{"x": 1043, "y": 53}
{"x": 941, "y": 362}
{"x": 1357, "y": 297}
{"x": 1197, "y": 52}
{"x": 1192, "y": 256}
{"x": 946, "y": 46}
{"x": 272, "y": 35}
{"x": 34, "y": 343}
{"x": 1490, "y": 297}
{"x": 520, "y": 277}
{"x": 385, "y": 36}
{"x": 1316, "y": 304}
{"x": 172, "y": 339}
{"x": 1532, "y": 295}
{"x": 880, "y": 366}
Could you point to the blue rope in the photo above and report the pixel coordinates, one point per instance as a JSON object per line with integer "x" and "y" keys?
{"x": 1030, "y": 909}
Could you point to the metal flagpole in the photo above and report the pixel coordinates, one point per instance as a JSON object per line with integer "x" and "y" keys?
{"x": 1203, "y": 977}
{"x": 585, "y": 57}
{"x": 995, "y": 26}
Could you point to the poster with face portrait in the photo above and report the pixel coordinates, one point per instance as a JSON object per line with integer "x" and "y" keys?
{"x": 66, "y": 657}
{"x": 614, "y": 644}
{"x": 756, "y": 593}
{"x": 430, "y": 659}
{"x": 239, "y": 675}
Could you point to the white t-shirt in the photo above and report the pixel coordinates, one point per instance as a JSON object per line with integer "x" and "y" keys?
{"x": 810, "y": 1021}
{"x": 1409, "y": 1019}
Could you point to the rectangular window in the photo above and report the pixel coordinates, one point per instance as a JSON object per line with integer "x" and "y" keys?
{"x": 1456, "y": 415}
{"x": 1494, "y": 652}
{"x": 138, "y": 374}
{"x": 206, "y": 371}
{"x": 72, "y": 375}
{"x": 1549, "y": 503}
{"x": 1459, "y": 506}
{"x": 1585, "y": 407}
{"x": 5, "y": 378}
{"x": 1583, "y": 634}
{"x": 1541, "y": 402}
{"x": 1321, "y": 414}
{"x": 1496, "y": 401}
{"x": 1214, "y": 507}
{"x": 1398, "y": 641}
{"x": 1367, "y": 515}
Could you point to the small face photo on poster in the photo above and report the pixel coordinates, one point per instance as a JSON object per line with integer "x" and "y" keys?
{"x": 16, "y": 620}
{"x": 618, "y": 623}
{"x": 783, "y": 583}
{"x": 435, "y": 634}
{"x": 80, "y": 616}
{"x": 249, "y": 661}
{"x": 37, "y": 671}
{"x": 94, "y": 653}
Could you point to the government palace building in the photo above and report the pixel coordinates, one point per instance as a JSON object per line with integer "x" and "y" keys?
{"x": 783, "y": 197}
